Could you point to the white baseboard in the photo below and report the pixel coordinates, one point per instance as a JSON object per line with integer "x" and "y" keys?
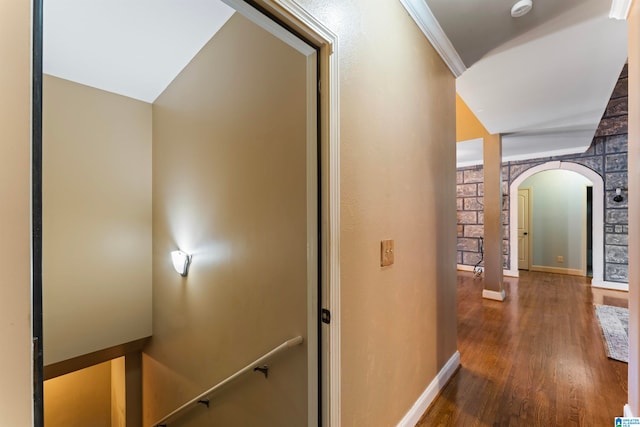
{"x": 627, "y": 411}
{"x": 557, "y": 270}
{"x": 510, "y": 273}
{"x": 494, "y": 295}
{"x": 615, "y": 286}
{"x": 422, "y": 404}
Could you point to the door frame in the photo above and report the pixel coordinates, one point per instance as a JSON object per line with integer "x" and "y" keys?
{"x": 36, "y": 212}
{"x": 584, "y": 229}
{"x": 301, "y": 22}
{"x": 314, "y": 290}
{"x": 529, "y": 226}
{"x": 304, "y": 23}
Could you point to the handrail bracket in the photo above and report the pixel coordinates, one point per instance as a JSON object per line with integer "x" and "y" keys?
{"x": 264, "y": 369}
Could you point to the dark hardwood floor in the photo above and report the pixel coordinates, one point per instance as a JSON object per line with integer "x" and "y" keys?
{"x": 535, "y": 359}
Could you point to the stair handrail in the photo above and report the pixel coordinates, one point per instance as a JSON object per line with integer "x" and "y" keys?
{"x": 202, "y": 398}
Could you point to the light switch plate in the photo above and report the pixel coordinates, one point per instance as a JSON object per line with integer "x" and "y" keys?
{"x": 386, "y": 253}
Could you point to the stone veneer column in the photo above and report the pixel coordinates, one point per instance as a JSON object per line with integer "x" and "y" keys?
{"x": 493, "y": 279}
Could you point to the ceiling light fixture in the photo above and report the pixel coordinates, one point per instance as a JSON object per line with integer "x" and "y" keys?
{"x": 521, "y": 8}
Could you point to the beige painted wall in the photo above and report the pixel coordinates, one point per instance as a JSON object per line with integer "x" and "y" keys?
{"x": 15, "y": 217}
{"x": 79, "y": 399}
{"x": 229, "y": 186}
{"x": 398, "y": 182}
{"x": 96, "y": 219}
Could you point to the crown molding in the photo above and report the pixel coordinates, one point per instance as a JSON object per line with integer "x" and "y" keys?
{"x": 620, "y": 9}
{"x": 430, "y": 27}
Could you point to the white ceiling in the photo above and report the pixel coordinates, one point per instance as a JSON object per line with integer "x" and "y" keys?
{"x": 132, "y": 48}
{"x": 543, "y": 80}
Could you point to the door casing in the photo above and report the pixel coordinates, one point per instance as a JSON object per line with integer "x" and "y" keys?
{"x": 302, "y": 22}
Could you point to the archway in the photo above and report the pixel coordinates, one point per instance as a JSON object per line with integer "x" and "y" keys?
{"x": 598, "y": 216}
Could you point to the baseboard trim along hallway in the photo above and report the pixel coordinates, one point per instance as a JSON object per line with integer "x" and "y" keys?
{"x": 508, "y": 273}
{"x": 615, "y": 286}
{"x": 419, "y": 408}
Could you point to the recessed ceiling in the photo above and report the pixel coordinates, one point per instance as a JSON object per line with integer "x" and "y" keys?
{"x": 564, "y": 72}
{"x": 542, "y": 80}
{"x": 547, "y": 89}
{"x": 133, "y": 48}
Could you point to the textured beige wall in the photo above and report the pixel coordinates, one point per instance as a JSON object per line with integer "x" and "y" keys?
{"x": 398, "y": 182}
{"x": 229, "y": 186}
{"x": 398, "y": 169}
{"x": 79, "y": 399}
{"x": 97, "y": 219}
{"x": 15, "y": 215}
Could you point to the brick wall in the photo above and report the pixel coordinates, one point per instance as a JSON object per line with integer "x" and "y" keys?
{"x": 607, "y": 156}
{"x": 470, "y": 199}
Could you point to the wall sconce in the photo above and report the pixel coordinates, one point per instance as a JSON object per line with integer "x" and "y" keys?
{"x": 618, "y": 197}
{"x": 181, "y": 261}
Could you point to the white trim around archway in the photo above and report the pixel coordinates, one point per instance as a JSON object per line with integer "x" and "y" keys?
{"x": 598, "y": 218}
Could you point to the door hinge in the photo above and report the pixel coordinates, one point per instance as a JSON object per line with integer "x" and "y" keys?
{"x": 326, "y": 316}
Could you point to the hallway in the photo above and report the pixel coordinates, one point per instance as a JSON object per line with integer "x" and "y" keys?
{"x": 536, "y": 359}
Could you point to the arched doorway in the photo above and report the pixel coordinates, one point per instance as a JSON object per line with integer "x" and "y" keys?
{"x": 598, "y": 214}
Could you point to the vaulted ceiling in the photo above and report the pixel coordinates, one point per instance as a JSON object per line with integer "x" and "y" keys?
{"x": 129, "y": 47}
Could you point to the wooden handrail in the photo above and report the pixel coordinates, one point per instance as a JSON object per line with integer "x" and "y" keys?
{"x": 204, "y": 397}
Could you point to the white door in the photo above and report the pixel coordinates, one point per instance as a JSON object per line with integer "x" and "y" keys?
{"x": 523, "y": 228}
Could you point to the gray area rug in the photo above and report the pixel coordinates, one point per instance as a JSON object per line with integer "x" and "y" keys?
{"x": 614, "y": 324}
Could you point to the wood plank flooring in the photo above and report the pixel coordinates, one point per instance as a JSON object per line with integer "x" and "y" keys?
{"x": 535, "y": 359}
